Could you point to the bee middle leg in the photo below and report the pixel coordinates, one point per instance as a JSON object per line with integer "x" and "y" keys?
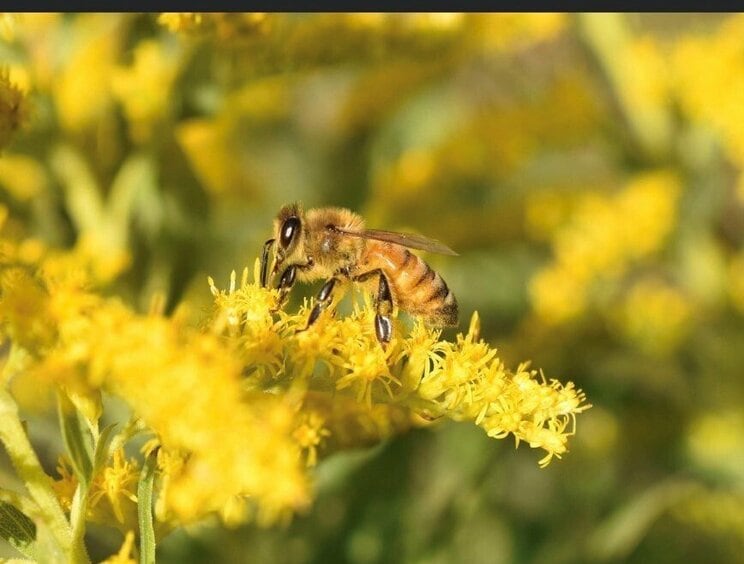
{"x": 286, "y": 281}
{"x": 384, "y": 305}
{"x": 323, "y": 300}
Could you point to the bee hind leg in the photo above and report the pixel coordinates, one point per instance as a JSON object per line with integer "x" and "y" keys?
{"x": 383, "y": 323}
{"x": 384, "y": 305}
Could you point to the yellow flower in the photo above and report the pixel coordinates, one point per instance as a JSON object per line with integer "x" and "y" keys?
{"x": 24, "y": 310}
{"x": 113, "y": 498}
{"x": 351, "y": 424}
{"x": 65, "y": 486}
{"x": 457, "y": 373}
{"x": 534, "y": 412}
{"x": 361, "y": 359}
{"x": 246, "y": 306}
{"x": 419, "y": 353}
{"x": 309, "y": 434}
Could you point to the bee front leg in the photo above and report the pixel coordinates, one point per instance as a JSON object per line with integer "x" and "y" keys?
{"x": 323, "y": 300}
{"x": 265, "y": 262}
{"x": 286, "y": 281}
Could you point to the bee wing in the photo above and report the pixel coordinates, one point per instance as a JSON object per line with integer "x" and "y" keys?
{"x": 410, "y": 240}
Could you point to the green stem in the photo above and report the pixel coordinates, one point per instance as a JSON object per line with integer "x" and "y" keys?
{"x": 37, "y": 482}
{"x": 607, "y": 37}
{"x": 77, "y": 518}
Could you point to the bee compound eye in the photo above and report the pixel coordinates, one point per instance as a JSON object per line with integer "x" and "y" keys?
{"x": 290, "y": 228}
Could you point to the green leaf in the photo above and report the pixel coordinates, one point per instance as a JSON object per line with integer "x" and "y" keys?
{"x": 144, "y": 509}
{"x": 623, "y": 531}
{"x": 16, "y": 528}
{"x": 77, "y": 439}
{"x": 102, "y": 447}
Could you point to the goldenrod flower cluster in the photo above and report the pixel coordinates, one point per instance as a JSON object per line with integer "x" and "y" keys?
{"x": 239, "y": 411}
{"x": 464, "y": 380}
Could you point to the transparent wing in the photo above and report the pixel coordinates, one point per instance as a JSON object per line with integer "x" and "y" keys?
{"x": 409, "y": 240}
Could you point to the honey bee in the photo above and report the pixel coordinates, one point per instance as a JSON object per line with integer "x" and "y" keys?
{"x": 333, "y": 243}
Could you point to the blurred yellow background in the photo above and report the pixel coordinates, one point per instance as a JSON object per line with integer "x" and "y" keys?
{"x": 589, "y": 169}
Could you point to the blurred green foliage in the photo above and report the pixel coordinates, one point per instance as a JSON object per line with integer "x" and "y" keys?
{"x": 587, "y": 168}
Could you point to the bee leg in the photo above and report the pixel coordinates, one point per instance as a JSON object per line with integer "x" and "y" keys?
{"x": 384, "y": 304}
{"x": 265, "y": 262}
{"x": 286, "y": 281}
{"x": 383, "y": 323}
{"x": 323, "y": 300}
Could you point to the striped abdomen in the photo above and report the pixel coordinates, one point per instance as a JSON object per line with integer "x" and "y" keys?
{"x": 417, "y": 288}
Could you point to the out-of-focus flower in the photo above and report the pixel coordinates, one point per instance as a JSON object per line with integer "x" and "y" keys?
{"x": 638, "y": 74}
{"x": 7, "y": 27}
{"x": 517, "y": 30}
{"x": 225, "y": 26}
{"x": 715, "y": 440}
{"x": 82, "y": 91}
{"x": 14, "y": 110}
{"x": 180, "y": 21}
{"x": 654, "y": 315}
{"x": 736, "y": 282}
{"x": 717, "y": 513}
{"x": 24, "y": 310}
{"x": 309, "y": 435}
{"x": 603, "y": 237}
{"x": 144, "y": 88}
{"x": 22, "y": 176}
{"x": 709, "y": 77}
{"x": 167, "y": 368}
